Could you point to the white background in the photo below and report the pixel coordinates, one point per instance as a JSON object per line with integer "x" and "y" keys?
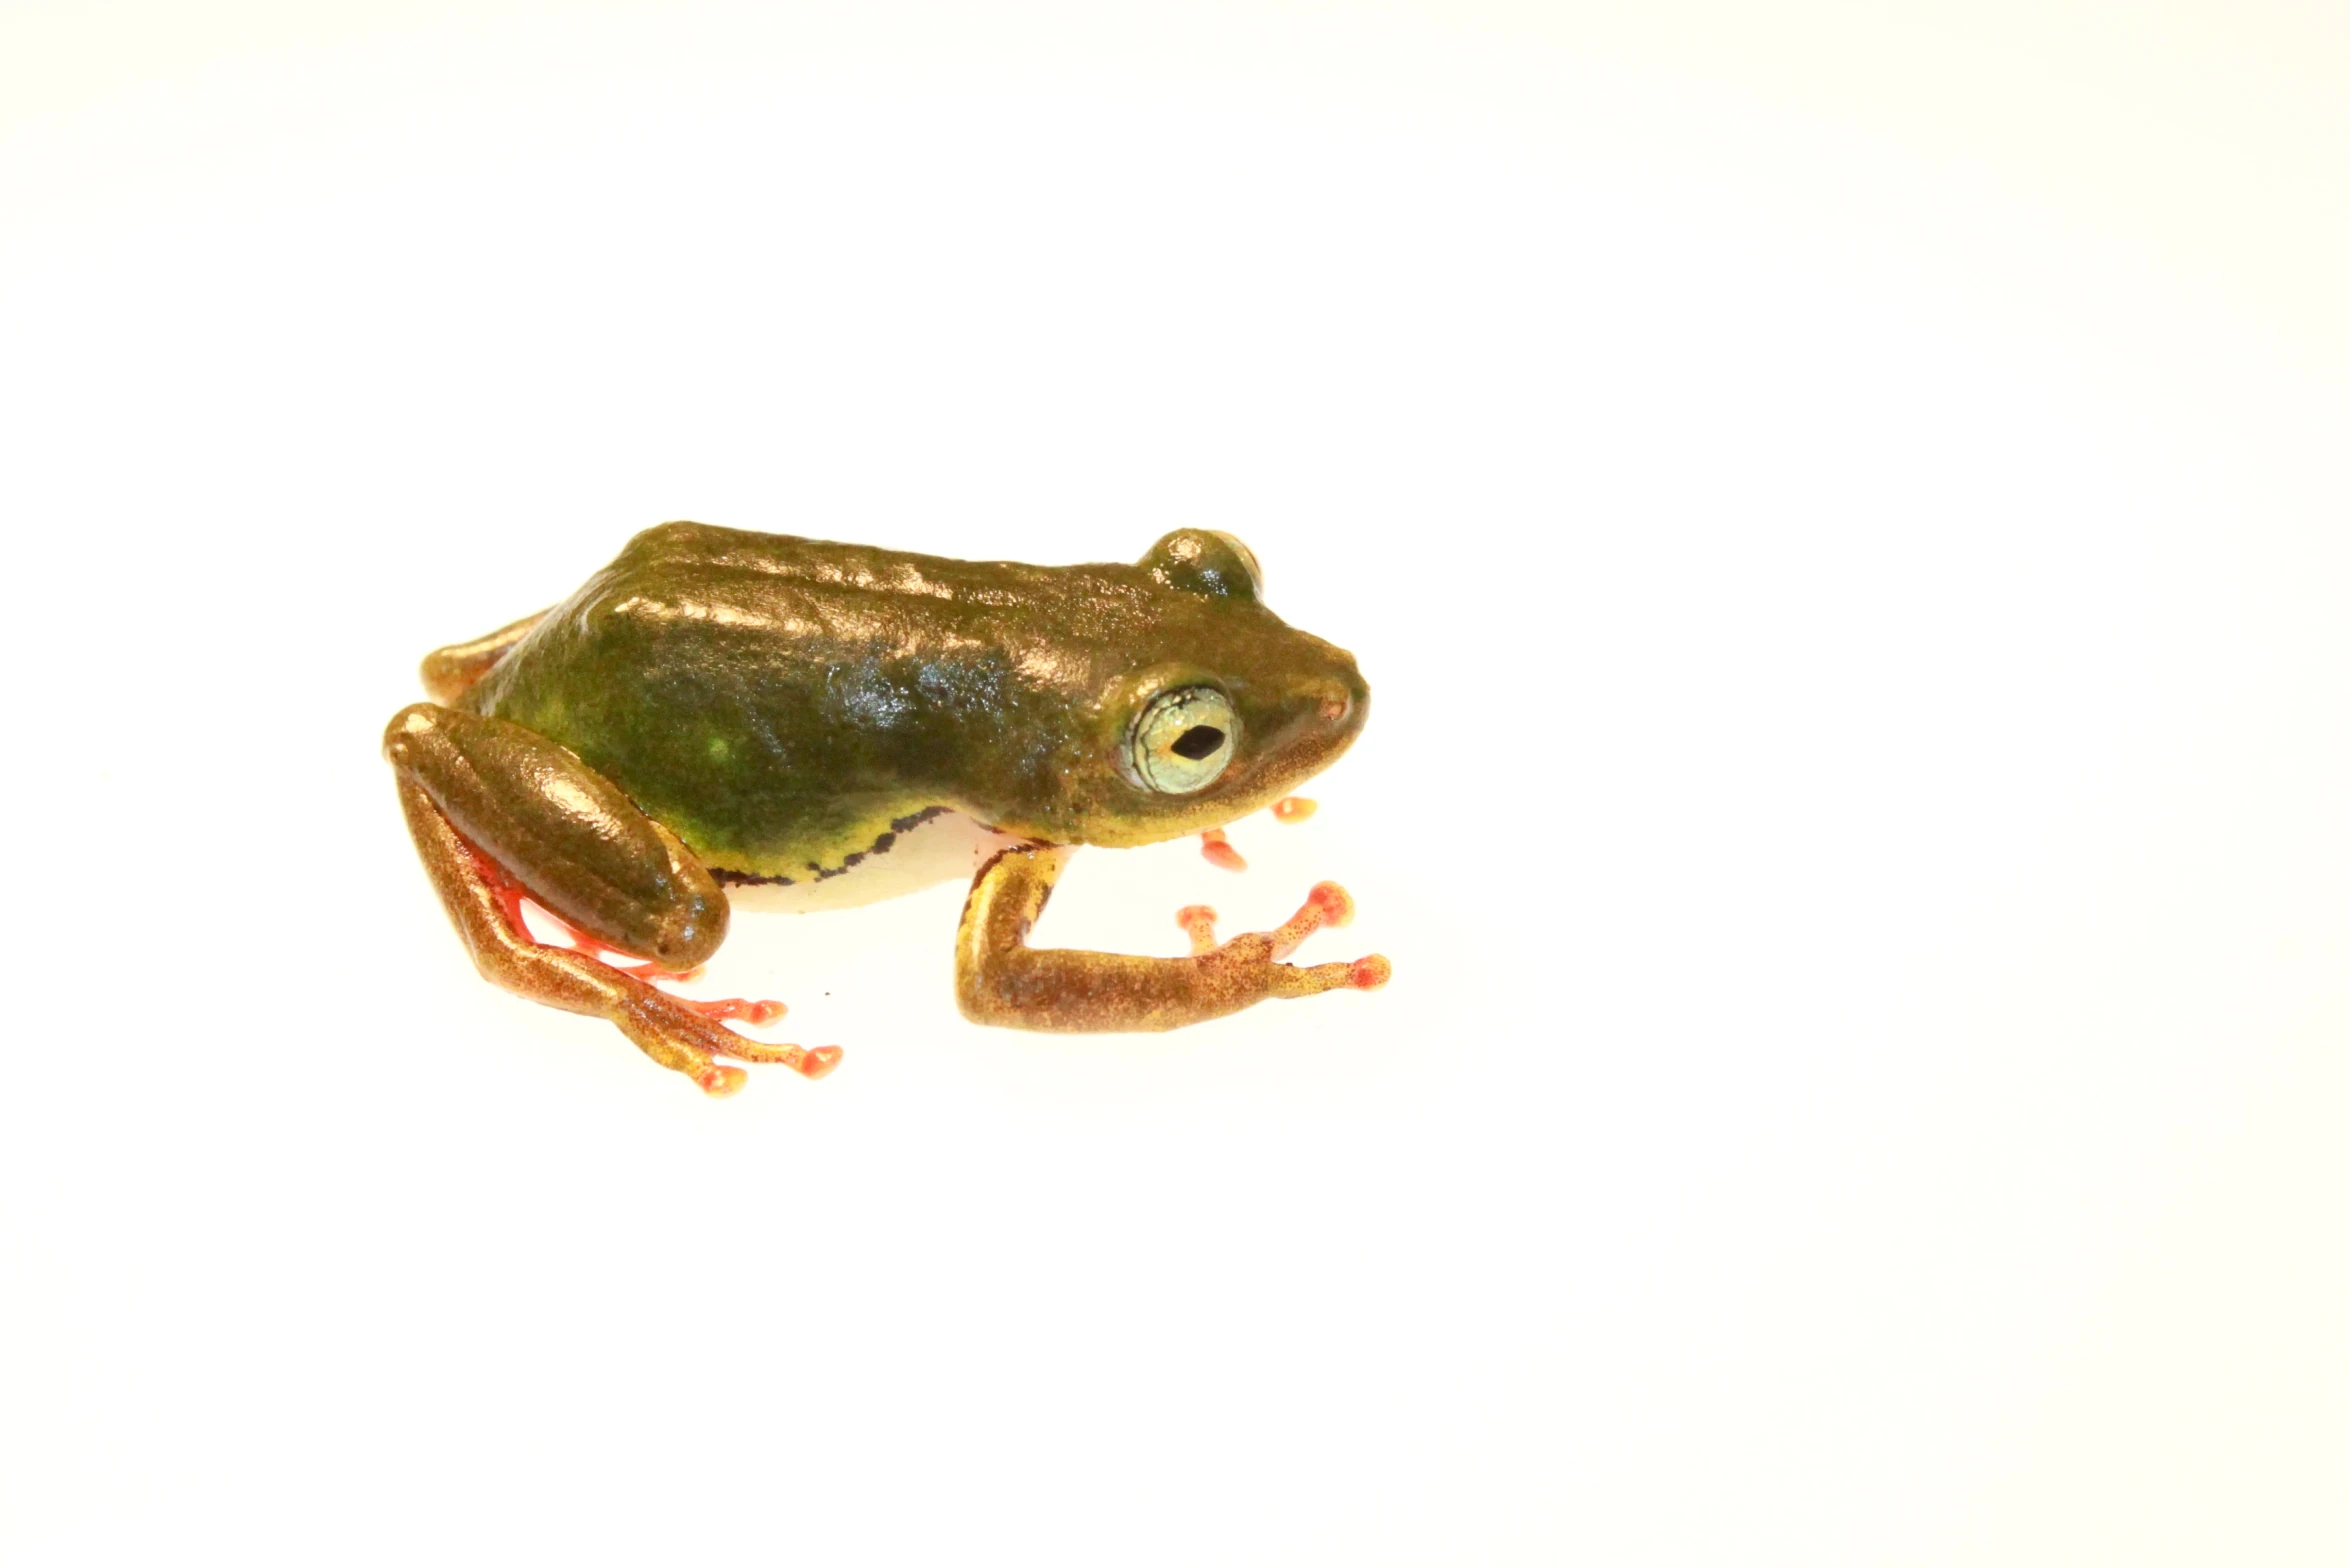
{"x": 1847, "y": 522}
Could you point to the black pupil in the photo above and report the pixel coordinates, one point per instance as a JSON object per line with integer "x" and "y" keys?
{"x": 1198, "y": 743}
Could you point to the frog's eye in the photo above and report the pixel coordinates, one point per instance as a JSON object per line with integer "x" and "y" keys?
{"x": 1184, "y": 739}
{"x": 1201, "y": 560}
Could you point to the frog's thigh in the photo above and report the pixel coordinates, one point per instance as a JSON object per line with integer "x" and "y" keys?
{"x": 566, "y": 835}
{"x": 1000, "y": 979}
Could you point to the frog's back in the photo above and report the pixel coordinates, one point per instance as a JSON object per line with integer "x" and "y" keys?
{"x": 781, "y": 560}
{"x": 780, "y": 702}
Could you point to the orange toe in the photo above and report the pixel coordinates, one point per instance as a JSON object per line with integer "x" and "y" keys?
{"x": 1331, "y": 899}
{"x": 720, "y": 1081}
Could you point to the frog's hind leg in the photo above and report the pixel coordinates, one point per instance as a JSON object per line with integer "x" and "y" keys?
{"x": 449, "y": 672}
{"x": 498, "y": 812}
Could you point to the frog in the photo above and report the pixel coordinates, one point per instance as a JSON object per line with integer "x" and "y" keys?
{"x": 719, "y": 712}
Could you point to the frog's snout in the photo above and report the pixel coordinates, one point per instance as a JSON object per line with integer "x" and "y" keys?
{"x": 1327, "y": 711}
{"x": 1341, "y": 700}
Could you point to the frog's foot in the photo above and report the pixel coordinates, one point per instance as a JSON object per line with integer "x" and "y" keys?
{"x": 810, "y": 1064}
{"x": 700, "y": 1060}
{"x": 677, "y": 1032}
{"x": 1219, "y": 852}
{"x": 756, "y": 1012}
{"x": 760, "y": 1012}
{"x": 1328, "y": 904}
{"x": 1000, "y": 979}
{"x": 1199, "y": 921}
{"x": 714, "y": 1078}
{"x": 687, "y": 1037}
{"x": 1217, "y": 848}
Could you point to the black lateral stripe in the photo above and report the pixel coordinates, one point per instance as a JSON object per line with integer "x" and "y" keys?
{"x": 881, "y": 845}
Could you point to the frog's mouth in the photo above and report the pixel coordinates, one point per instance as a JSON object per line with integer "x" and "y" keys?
{"x": 1309, "y": 730}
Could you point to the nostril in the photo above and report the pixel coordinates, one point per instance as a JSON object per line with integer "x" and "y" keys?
{"x": 1335, "y": 701}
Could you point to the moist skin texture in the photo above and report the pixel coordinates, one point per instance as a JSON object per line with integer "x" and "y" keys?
{"x": 722, "y": 709}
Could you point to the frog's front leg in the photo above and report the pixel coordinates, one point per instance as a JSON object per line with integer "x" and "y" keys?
{"x": 1000, "y": 979}
{"x": 498, "y": 811}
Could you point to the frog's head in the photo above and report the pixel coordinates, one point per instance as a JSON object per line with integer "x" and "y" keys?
{"x": 1217, "y": 708}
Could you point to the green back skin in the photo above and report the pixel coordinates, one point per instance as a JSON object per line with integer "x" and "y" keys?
{"x": 786, "y": 705}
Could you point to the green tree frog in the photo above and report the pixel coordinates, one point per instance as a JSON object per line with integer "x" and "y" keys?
{"x": 718, "y": 710}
